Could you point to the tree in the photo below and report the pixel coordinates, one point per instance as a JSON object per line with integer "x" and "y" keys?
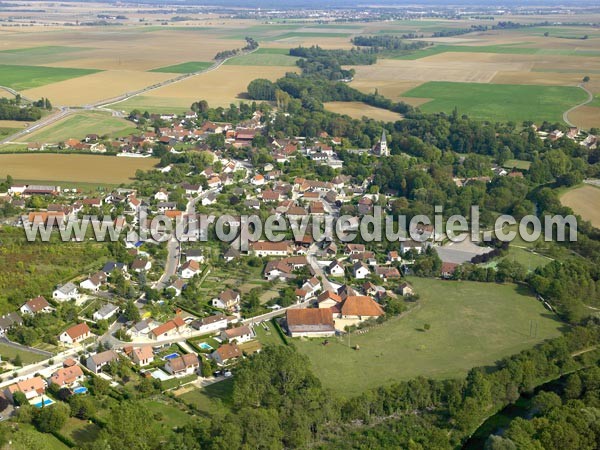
{"x": 131, "y": 312}
{"x": 19, "y": 399}
{"x": 586, "y": 79}
{"x": 261, "y": 89}
{"x": 51, "y": 420}
{"x": 82, "y": 406}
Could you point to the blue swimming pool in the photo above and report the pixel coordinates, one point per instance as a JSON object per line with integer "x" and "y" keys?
{"x": 171, "y": 356}
{"x": 205, "y": 346}
{"x": 44, "y": 402}
{"x": 80, "y": 390}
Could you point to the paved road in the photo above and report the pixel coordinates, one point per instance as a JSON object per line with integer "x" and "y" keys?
{"x": 13, "y": 92}
{"x": 174, "y": 252}
{"x": 317, "y": 269}
{"x": 275, "y": 313}
{"x": 48, "y": 120}
{"x": 566, "y": 113}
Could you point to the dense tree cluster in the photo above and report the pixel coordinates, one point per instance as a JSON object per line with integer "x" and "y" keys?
{"x": 386, "y": 42}
{"x": 15, "y": 109}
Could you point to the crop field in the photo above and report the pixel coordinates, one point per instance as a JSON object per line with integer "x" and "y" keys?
{"x": 187, "y": 67}
{"x": 96, "y": 87}
{"x": 27, "y": 77}
{"x": 73, "y": 168}
{"x": 499, "y": 102}
{"x": 585, "y": 201}
{"x": 472, "y": 324}
{"x": 79, "y": 125}
{"x": 41, "y": 55}
{"x": 265, "y": 57}
{"x": 357, "y": 110}
{"x": 219, "y": 87}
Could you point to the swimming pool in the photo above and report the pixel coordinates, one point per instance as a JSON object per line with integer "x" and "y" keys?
{"x": 44, "y": 402}
{"x": 80, "y": 390}
{"x": 170, "y": 356}
{"x": 205, "y": 346}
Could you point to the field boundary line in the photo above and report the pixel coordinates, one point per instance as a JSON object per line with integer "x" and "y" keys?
{"x": 570, "y": 110}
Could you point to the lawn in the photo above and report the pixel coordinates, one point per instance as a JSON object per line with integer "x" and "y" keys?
{"x": 270, "y": 336}
{"x": 72, "y": 167}
{"x": 26, "y": 437}
{"x": 472, "y": 324}
{"x": 186, "y": 67}
{"x": 264, "y": 57}
{"x": 80, "y": 431}
{"x": 79, "y": 125}
{"x": 166, "y": 415}
{"x": 9, "y": 353}
{"x": 27, "y": 77}
{"x": 517, "y": 164}
{"x": 499, "y": 102}
{"x": 210, "y": 399}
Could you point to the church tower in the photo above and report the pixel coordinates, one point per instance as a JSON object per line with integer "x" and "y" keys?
{"x": 382, "y": 147}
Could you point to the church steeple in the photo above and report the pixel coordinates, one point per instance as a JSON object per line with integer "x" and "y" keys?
{"x": 383, "y": 148}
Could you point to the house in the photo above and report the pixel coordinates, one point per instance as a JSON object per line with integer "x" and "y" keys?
{"x": 231, "y": 254}
{"x": 140, "y": 264}
{"x": 65, "y": 292}
{"x": 409, "y": 245}
{"x": 209, "y": 199}
{"x": 36, "y": 305}
{"x": 393, "y": 256}
{"x": 142, "y": 328}
{"x": 210, "y": 323}
{"x": 75, "y": 334}
{"x": 31, "y": 388}
{"x": 310, "y": 322}
{"x": 360, "y": 271}
{"x": 177, "y": 286}
{"x": 8, "y": 321}
{"x": 94, "y": 282}
{"x": 162, "y": 195}
{"x": 67, "y": 376}
{"x": 312, "y": 286}
{"x": 111, "y": 266}
{"x": 448, "y": 269}
{"x": 387, "y": 273}
{"x": 228, "y": 299}
{"x": 189, "y": 269}
{"x": 329, "y": 299}
{"x": 191, "y": 189}
{"x": 142, "y": 356}
{"x": 96, "y": 362}
{"x": 356, "y": 309}
{"x": 406, "y": 289}
{"x": 258, "y": 180}
{"x": 194, "y": 254}
{"x": 106, "y": 312}
{"x": 183, "y": 365}
{"x": 353, "y": 249}
{"x": 262, "y": 248}
{"x": 226, "y": 353}
{"x": 335, "y": 269}
{"x": 239, "y": 334}
{"x": 168, "y": 329}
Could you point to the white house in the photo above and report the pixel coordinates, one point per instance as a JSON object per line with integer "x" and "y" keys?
{"x": 36, "y": 305}
{"x": 75, "y": 334}
{"x": 94, "y": 282}
{"x": 106, "y": 312}
{"x": 65, "y": 292}
{"x": 194, "y": 254}
{"x": 336, "y": 269}
{"x": 360, "y": 271}
{"x": 228, "y": 299}
{"x": 183, "y": 365}
{"x": 189, "y": 269}
{"x": 211, "y": 323}
{"x": 240, "y": 334}
{"x": 96, "y": 362}
{"x": 162, "y": 195}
